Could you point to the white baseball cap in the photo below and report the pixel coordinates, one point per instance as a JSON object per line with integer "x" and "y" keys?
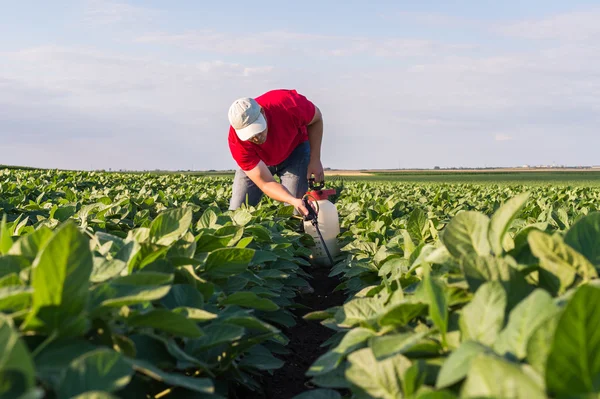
{"x": 245, "y": 117}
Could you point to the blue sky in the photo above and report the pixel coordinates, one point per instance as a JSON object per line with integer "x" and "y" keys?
{"x": 146, "y": 84}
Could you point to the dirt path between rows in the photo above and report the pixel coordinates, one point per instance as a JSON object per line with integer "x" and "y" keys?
{"x": 305, "y": 337}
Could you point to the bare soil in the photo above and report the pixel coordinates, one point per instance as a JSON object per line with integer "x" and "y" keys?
{"x": 306, "y": 338}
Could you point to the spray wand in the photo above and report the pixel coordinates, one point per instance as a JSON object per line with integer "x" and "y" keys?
{"x": 313, "y": 214}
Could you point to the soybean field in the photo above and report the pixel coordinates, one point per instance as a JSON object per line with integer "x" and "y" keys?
{"x": 117, "y": 285}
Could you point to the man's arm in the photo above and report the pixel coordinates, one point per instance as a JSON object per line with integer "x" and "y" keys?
{"x": 315, "y": 137}
{"x": 262, "y": 177}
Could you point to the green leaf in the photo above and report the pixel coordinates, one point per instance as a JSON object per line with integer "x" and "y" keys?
{"x": 494, "y": 377}
{"x": 249, "y": 299}
{"x": 402, "y": 313}
{"x": 438, "y": 304}
{"x": 60, "y": 276}
{"x": 260, "y": 358}
{"x": 208, "y": 220}
{"x": 457, "y": 365}
{"x": 319, "y": 394}
{"x": 584, "y": 237}
{"x": 29, "y": 244}
{"x": 378, "y": 379}
{"x": 167, "y": 321}
{"x": 417, "y": 222}
{"x": 51, "y": 362}
{"x": 202, "y": 385}
{"x": 99, "y": 370}
{"x": 574, "y": 362}
{"x": 482, "y": 319}
{"x": 481, "y": 269}
{"x": 359, "y": 311}
{"x": 523, "y": 321}
{"x": 241, "y": 217}
{"x": 227, "y": 262}
{"x": 12, "y": 264}
{"x": 540, "y": 344}
{"x": 117, "y": 295}
{"x": 15, "y": 356}
{"x": 170, "y": 225}
{"x": 466, "y": 233}
{"x": 183, "y": 295}
{"x": 5, "y": 236}
{"x": 402, "y": 343}
{"x": 353, "y": 340}
{"x": 15, "y": 298}
{"x": 502, "y": 219}
{"x": 560, "y": 260}
{"x": 215, "y": 334}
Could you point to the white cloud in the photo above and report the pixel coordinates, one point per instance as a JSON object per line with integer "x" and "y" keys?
{"x": 300, "y": 44}
{"x": 573, "y": 26}
{"x": 106, "y": 12}
{"x": 503, "y": 137}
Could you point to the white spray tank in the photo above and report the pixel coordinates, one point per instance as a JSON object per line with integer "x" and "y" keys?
{"x": 322, "y": 224}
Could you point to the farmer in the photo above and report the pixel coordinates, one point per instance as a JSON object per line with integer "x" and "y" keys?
{"x": 278, "y": 133}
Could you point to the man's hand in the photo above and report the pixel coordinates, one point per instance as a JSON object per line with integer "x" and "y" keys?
{"x": 315, "y": 168}
{"x": 299, "y": 205}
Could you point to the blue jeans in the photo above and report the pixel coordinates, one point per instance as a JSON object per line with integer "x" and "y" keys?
{"x": 292, "y": 173}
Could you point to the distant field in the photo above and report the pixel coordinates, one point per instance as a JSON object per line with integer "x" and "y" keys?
{"x": 562, "y": 177}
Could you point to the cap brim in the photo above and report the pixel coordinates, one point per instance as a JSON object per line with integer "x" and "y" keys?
{"x": 256, "y": 127}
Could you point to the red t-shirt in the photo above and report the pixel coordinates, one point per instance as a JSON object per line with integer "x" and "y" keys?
{"x": 287, "y": 113}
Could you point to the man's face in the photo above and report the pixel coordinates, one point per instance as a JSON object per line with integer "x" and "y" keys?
{"x": 261, "y": 137}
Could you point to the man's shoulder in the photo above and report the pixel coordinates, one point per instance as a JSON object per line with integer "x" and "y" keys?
{"x": 276, "y": 96}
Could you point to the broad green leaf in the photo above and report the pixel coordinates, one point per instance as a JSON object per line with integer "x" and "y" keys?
{"x": 584, "y": 237}
{"x": 226, "y": 262}
{"x": 501, "y": 220}
{"x": 573, "y": 366}
{"x": 170, "y": 225}
{"x": 117, "y": 295}
{"x": 482, "y": 319}
{"x": 524, "y": 319}
{"x": 249, "y": 299}
{"x": 417, "y": 223}
{"x": 353, "y": 340}
{"x": 208, "y": 220}
{"x": 105, "y": 269}
{"x": 215, "y": 334}
{"x": 466, "y": 233}
{"x": 51, "y": 362}
{"x": 457, "y": 365}
{"x": 60, "y": 276}
{"x": 6, "y": 241}
{"x": 491, "y": 376}
{"x": 402, "y": 313}
{"x": 319, "y": 394}
{"x": 540, "y": 344}
{"x": 481, "y": 269}
{"x": 560, "y": 260}
{"x": 438, "y": 304}
{"x": 260, "y": 358}
{"x": 183, "y": 295}
{"x": 99, "y": 370}
{"x": 10, "y": 264}
{"x": 15, "y": 356}
{"x": 401, "y": 343}
{"x": 167, "y": 321}
{"x": 241, "y": 217}
{"x": 381, "y": 379}
{"x": 202, "y": 385}
{"x": 15, "y": 298}
{"x": 359, "y": 311}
